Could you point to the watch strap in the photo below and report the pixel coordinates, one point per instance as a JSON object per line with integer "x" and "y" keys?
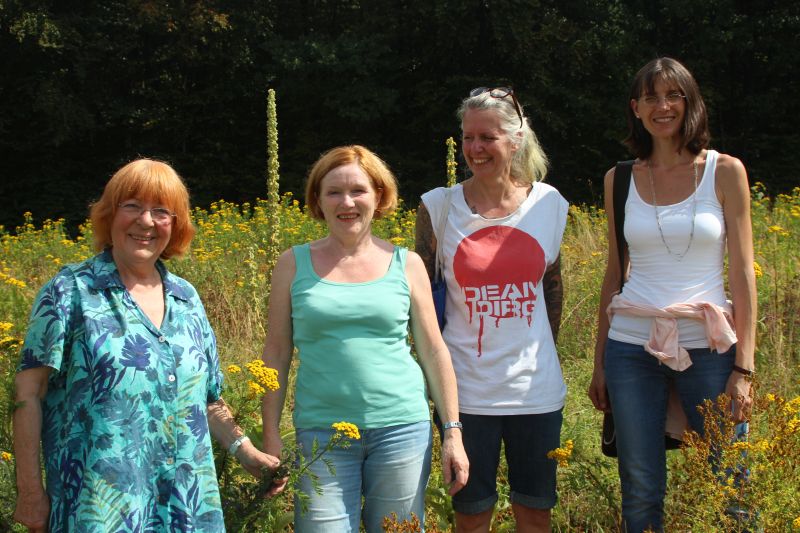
{"x": 235, "y": 445}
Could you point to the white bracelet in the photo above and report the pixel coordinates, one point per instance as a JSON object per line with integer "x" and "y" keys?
{"x": 235, "y": 445}
{"x": 449, "y": 425}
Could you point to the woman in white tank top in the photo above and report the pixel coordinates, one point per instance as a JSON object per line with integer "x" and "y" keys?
{"x": 685, "y": 204}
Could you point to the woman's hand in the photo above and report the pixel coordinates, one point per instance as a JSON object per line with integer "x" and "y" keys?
{"x": 739, "y": 390}
{"x": 597, "y": 390}
{"x": 455, "y": 464}
{"x": 273, "y": 445}
{"x": 255, "y": 461}
{"x": 33, "y": 511}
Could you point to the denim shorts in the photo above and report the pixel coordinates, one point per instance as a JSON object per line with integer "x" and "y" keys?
{"x": 384, "y": 472}
{"x": 531, "y": 474}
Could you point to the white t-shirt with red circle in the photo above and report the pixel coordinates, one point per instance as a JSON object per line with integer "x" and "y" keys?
{"x": 497, "y": 327}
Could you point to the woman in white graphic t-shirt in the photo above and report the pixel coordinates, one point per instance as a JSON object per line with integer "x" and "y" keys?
{"x": 500, "y": 237}
{"x": 671, "y": 326}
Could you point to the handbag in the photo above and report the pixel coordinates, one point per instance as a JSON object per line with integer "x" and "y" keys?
{"x": 438, "y": 283}
{"x": 619, "y": 195}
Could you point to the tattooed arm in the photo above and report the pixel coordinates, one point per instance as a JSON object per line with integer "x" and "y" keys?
{"x": 553, "y": 295}
{"x": 425, "y": 244}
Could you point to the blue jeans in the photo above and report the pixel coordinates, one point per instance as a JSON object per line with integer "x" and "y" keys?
{"x": 638, "y": 387}
{"x": 388, "y": 467}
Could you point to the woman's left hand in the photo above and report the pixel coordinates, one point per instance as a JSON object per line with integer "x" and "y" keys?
{"x": 254, "y": 461}
{"x": 455, "y": 464}
{"x": 740, "y": 391}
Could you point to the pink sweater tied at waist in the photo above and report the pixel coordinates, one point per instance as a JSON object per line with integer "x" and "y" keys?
{"x": 664, "y": 343}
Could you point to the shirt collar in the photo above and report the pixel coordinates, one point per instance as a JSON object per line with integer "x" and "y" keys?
{"x": 105, "y": 275}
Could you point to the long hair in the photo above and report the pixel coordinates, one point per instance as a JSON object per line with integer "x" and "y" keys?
{"x": 529, "y": 163}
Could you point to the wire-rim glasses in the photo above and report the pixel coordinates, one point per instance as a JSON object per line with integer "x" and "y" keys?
{"x": 671, "y": 99}
{"x": 500, "y": 92}
{"x": 160, "y": 215}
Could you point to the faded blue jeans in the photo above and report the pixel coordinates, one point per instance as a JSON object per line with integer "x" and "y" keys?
{"x": 388, "y": 466}
{"x": 638, "y": 388}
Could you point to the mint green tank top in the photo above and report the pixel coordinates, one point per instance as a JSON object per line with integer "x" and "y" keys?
{"x": 355, "y": 359}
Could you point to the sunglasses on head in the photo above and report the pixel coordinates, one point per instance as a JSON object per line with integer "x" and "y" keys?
{"x": 500, "y": 92}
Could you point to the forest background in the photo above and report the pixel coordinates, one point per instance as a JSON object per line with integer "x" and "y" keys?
{"x": 87, "y": 86}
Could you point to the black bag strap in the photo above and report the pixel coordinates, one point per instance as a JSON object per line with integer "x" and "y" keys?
{"x": 622, "y": 182}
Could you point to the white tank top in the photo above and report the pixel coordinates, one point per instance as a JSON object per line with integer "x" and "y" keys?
{"x": 659, "y": 278}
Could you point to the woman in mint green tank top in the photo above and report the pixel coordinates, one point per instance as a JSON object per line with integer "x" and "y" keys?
{"x": 346, "y": 303}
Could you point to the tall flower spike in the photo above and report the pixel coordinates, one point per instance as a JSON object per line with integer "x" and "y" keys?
{"x": 451, "y": 162}
{"x": 273, "y": 196}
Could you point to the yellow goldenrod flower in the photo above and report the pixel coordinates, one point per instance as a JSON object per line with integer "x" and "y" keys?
{"x": 792, "y": 407}
{"x": 347, "y": 429}
{"x": 255, "y": 388}
{"x": 265, "y": 376}
{"x": 757, "y": 269}
{"x": 761, "y": 446}
{"x": 779, "y": 230}
{"x": 796, "y": 522}
{"x": 562, "y": 455}
{"x": 5, "y": 456}
{"x": 740, "y": 446}
{"x": 234, "y": 369}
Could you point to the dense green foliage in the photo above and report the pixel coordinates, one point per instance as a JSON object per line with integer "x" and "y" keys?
{"x": 87, "y": 86}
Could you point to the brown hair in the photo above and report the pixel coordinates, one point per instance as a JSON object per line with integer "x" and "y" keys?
{"x": 694, "y": 131}
{"x": 373, "y": 166}
{"x": 150, "y": 180}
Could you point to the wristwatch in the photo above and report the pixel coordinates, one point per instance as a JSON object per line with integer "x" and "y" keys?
{"x": 235, "y": 445}
{"x": 744, "y": 371}
{"x": 455, "y": 424}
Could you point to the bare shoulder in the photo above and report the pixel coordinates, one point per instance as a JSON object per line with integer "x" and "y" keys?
{"x": 729, "y": 167}
{"x": 608, "y": 179}
{"x": 731, "y": 179}
{"x": 413, "y": 260}
{"x": 285, "y": 266}
{"x": 286, "y": 258}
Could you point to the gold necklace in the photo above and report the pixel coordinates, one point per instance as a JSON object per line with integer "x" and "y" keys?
{"x": 679, "y": 257}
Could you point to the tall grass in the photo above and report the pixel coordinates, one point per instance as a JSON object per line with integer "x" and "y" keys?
{"x": 228, "y": 265}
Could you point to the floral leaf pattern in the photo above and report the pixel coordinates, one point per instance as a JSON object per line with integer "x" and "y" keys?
{"x": 124, "y": 432}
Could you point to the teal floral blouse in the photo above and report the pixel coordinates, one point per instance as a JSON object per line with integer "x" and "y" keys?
{"x": 125, "y": 435}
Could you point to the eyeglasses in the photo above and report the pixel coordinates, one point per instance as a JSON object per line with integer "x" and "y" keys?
{"x": 671, "y": 99}
{"x": 160, "y": 215}
{"x": 500, "y": 92}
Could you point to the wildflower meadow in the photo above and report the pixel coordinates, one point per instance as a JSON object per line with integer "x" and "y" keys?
{"x": 229, "y": 264}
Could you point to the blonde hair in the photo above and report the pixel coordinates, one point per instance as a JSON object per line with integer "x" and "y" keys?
{"x": 529, "y": 163}
{"x": 373, "y": 166}
{"x": 148, "y": 180}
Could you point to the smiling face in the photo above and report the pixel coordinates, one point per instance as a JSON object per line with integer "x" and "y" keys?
{"x": 661, "y": 119}
{"x": 348, "y": 200}
{"x": 138, "y": 238}
{"x": 486, "y": 147}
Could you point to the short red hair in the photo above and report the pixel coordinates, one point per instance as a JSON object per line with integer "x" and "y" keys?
{"x": 373, "y": 166}
{"x": 150, "y": 181}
